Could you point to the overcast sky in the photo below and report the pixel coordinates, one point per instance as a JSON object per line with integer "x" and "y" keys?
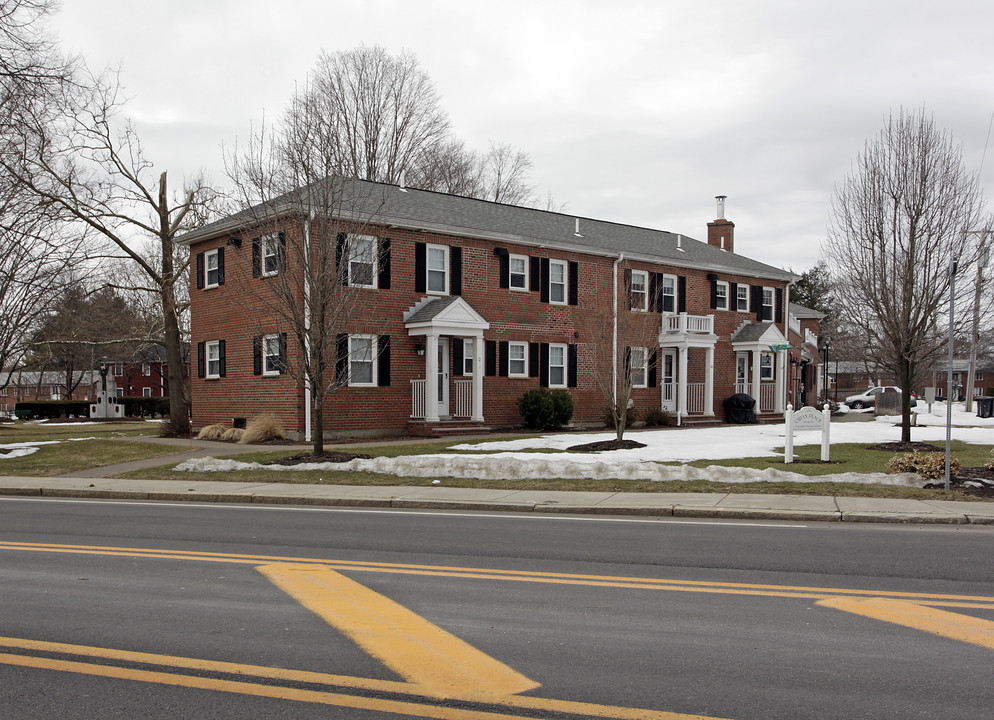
{"x": 634, "y": 112}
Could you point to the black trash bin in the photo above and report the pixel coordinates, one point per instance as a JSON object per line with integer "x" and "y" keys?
{"x": 740, "y": 409}
{"x": 985, "y": 407}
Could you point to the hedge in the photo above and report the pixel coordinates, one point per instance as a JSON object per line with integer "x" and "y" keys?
{"x": 48, "y": 409}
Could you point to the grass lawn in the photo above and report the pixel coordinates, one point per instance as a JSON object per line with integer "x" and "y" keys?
{"x": 72, "y": 456}
{"x": 17, "y": 432}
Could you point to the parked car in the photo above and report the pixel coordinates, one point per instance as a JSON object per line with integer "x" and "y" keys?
{"x": 869, "y": 398}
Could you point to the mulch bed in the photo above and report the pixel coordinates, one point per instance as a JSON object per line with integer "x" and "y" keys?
{"x": 325, "y": 457}
{"x": 974, "y": 481}
{"x": 607, "y": 445}
{"x": 906, "y": 447}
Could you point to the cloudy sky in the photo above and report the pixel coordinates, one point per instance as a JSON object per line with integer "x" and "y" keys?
{"x": 634, "y": 112}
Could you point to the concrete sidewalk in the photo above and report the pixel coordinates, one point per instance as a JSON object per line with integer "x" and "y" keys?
{"x": 689, "y": 505}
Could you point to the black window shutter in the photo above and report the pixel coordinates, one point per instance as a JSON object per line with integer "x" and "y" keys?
{"x": 757, "y": 301}
{"x": 455, "y": 271}
{"x": 733, "y": 296}
{"x": 502, "y": 359}
{"x": 458, "y": 353}
{"x": 220, "y": 266}
{"x": 281, "y": 259}
{"x": 714, "y": 294}
{"x": 200, "y": 271}
{"x": 220, "y": 351}
{"x": 779, "y": 306}
{"x": 491, "y": 358}
{"x": 341, "y": 259}
{"x": 628, "y": 289}
{"x": 383, "y": 281}
{"x": 257, "y": 356}
{"x": 655, "y": 288}
{"x": 342, "y": 361}
{"x": 652, "y": 368}
{"x": 420, "y": 266}
{"x": 256, "y": 257}
{"x": 544, "y": 280}
{"x": 383, "y": 361}
{"x": 504, "y": 267}
{"x": 201, "y": 355}
{"x": 282, "y": 362}
{"x": 682, "y": 293}
{"x": 571, "y": 366}
{"x": 534, "y": 274}
{"x": 574, "y": 283}
{"x": 539, "y": 362}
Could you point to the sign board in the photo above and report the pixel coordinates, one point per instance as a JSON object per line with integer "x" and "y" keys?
{"x": 807, "y": 418}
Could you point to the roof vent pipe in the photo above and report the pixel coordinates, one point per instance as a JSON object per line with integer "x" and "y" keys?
{"x": 576, "y": 230}
{"x": 403, "y": 181}
{"x": 679, "y": 243}
{"x": 721, "y": 206}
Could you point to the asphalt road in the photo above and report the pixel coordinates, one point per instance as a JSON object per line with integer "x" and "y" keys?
{"x": 428, "y": 614}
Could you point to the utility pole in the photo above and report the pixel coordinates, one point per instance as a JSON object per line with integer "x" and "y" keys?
{"x": 975, "y": 335}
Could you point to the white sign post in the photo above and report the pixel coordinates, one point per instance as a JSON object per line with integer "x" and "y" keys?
{"x": 807, "y": 418}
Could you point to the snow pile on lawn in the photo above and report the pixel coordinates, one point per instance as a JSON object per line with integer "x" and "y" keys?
{"x": 502, "y": 467}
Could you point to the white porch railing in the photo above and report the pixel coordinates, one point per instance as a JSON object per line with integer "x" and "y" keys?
{"x": 742, "y": 388}
{"x": 669, "y": 395}
{"x": 464, "y": 398}
{"x": 767, "y": 396}
{"x": 684, "y": 323}
{"x": 695, "y": 398}
{"x": 418, "y": 399}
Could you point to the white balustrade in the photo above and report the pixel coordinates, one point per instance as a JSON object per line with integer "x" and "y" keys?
{"x": 418, "y": 399}
{"x": 464, "y": 398}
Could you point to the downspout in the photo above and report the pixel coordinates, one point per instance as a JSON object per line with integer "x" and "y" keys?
{"x": 308, "y": 430}
{"x": 614, "y": 343}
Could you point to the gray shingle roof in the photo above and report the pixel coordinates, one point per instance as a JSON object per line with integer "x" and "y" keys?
{"x": 388, "y": 205}
{"x": 752, "y": 332}
{"x": 431, "y": 309}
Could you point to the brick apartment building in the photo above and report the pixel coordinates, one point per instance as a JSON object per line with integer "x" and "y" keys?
{"x": 463, "y": 305}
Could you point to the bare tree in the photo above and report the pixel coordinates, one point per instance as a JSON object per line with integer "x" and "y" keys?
{"x": 78, "y": 158}
{"x": 31, "y": 65}
{"x": 897, "y": 221}
{"x": 503, "y": 171}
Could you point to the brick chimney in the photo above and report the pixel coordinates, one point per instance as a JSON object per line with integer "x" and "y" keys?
{"x": 721, "y": 232}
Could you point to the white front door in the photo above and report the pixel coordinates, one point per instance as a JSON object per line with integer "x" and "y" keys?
{"x": 443, "y": 377}
{"x": 742, "y": 373}
{"x": 667, "y": 379}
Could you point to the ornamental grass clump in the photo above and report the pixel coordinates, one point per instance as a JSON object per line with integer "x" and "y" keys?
{"x": 212, "y": 432}
{"x": 930, "y": 465}
{"x": 262, "y": 429}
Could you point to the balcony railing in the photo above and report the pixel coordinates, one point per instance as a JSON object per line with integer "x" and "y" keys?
{"x": 464, "y": 398}
{"x": 695, "y": 398}
{"x": 684, "y": 323}
{"x": 418, "y": 399}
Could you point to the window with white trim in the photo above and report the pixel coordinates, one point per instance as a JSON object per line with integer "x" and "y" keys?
{"x": 766, "y": 366}
{"x": 669, "y": 293}
{"x": 742, "y": 298}
{"x": 212, "y": 353}
{"x": 438, "y": 269}
{"x": 638, "y": 366}
{"x": 557, "y": 365}
{"x": 269, "y": 250}
{"x": 721, "y": 295}
{"x": 212, "y": 268}
{"x": 768, "y": 300}
{"x": 517, "y": 359}
{"x": 3, "y": 392}
{"x": 120, "y": 392}
{"x": 362, "y": 360}
{"x": 517, "y": 266}
{"x": 468, "y": 353}
{"x": 146, "y": 369}
{"x": 272, "y": 356}
{"x": 362, "y": 260}
{"x": 638, "y": 291}
{"x": 147, "y": 392}
{"x": 557, "y": 281}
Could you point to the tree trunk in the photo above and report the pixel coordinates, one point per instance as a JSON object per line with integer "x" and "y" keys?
{"x": 179, "y": 403}
{"x": 905, "y": 383}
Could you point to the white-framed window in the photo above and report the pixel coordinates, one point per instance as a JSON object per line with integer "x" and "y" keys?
{"x": 438, "y": 269}
{"x": 742, "y": 298}
{"x": 212, "y": 354}
{"x": 363, "y": 250}
{"x": 517, "y": 278}
{"x": 557, "y": 366}
{"x": 212, "y": 268}
{"x": 638, "y": 292}
{"x": 669, "y": 293}
{"x": 120, "y": 392}
{"x": 721, "y": 295}
{"x": 55, "y": 393}
{"x": 638, "y": 360}
{"x": 3, "y": 392}
{"x": 146, "y": 369}
{"x": 558, "y": 270}
{"x": 147, "y": 392}
{"x": 272, "y": 355}
{"x": 978, "y": 376}
{"x": 517, "y": 359}
{"x": 766, "y": 366}
{"x": 768, "y": 300}
{"x": 269, "y": 251}
{"x": 468, "y": 353}
{"x": 362, "y": 360}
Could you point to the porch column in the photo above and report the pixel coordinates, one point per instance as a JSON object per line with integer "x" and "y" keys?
{"x": 709, "y": 382}
{"x": 682, "y": 390}
{"x": 431, "y": 378}
{"x": 755, "y": 389}
{"x": 478, "y": 378}
{"x": 781, "y": 386}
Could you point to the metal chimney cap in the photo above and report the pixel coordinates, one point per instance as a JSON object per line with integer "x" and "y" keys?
{"x": 721, "y": 206}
